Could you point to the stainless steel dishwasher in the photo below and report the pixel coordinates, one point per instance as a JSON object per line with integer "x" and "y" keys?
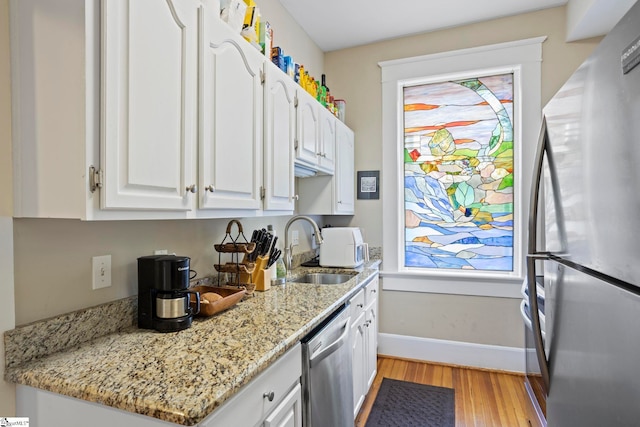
{"x": 327, "y": 379}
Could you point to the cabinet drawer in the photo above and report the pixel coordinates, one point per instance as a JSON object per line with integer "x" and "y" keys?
{"x": 251, "y": 404}
{"x": 289, "y": 412}
{"x": 356, "y": 304}
{"x": 371, "y": 291}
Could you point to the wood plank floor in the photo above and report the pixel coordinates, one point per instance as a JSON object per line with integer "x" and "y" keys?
{"x": 483, "y": 398}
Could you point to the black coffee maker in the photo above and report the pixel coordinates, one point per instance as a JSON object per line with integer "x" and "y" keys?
{"x": 163, "y": 293}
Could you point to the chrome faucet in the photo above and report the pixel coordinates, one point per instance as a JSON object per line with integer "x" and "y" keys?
{"x": 288, "y": 249}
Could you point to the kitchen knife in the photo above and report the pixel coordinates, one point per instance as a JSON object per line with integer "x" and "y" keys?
{"x": 274, "y": 257}
{"x": 273, "y": 246}
{"x": 267, "y": 245}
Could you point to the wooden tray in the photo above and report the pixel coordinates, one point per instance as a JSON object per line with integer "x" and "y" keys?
{"x": 246, "y": 248}
{"x": 229, "y": 298}
{"x": 235, "y": 267}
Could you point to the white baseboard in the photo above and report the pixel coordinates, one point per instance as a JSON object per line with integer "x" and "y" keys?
{"x": 452, "y": 352}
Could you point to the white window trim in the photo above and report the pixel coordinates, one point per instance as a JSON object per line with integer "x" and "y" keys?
{"x": 523, "y": 58}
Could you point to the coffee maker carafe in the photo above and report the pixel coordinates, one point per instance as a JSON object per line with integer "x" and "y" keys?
{"x": 163, "y": 293}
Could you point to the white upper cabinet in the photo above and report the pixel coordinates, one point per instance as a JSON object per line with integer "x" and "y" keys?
{"x": 279, "y": 135}
{"x": 116, "y": 93}
{"x": 147, "y": 109}
{"x": 344, "y": 181}
{"x": 308, "y": 131}
{"x": 332, "y": 194}
{"x": 231, "y": 116}
{"x": 327, "y": 147}
{"x": 316, "y": 135}
{"x": 149, "y": 88}
{"x": 55, "y": 107}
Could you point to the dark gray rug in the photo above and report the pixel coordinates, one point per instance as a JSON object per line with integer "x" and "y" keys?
{"x": 404, "y": 404}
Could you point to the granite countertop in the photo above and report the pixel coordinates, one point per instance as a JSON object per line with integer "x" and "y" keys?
{"x": 182, "y": 377}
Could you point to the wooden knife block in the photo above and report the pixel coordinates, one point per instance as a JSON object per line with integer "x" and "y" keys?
{"x": 260, "y": 276}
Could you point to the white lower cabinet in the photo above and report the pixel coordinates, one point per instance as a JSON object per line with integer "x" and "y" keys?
{"x": 364, "y": 341}
{"x": 272, "y": 399}
{"x": 358, "y": 337}
{"x": 47, "y": 409}
{"x": 371, "y": 338}
{"x": 289, "y": 412}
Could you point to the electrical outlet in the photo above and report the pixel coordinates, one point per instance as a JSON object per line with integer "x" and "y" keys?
{"x": 160, "y": 252}
{"x": 101, "y": 271}
{"x": 295, "y": 238}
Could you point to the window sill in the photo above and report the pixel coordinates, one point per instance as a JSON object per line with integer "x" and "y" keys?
{"x": 442, "y": 283}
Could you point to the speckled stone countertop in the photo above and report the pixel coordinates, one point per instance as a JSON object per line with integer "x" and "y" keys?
{"x": 182, "y": 377}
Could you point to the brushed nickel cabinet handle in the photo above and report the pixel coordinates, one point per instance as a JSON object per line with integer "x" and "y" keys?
{"x": 269, "y": 395}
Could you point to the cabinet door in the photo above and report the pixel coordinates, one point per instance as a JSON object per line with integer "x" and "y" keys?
{"x": 371, "y": 339}
{"x": 45, "y": 408}
{"x": 279, "y": 136}
{"x": 308, "y": 130}
{"x": 231, "y": 103}
{"x": 371, "y": 343}
{"x": 289, "y": 411}
{"x": 345, "y": 170}
{"x": 327, "y": 152}
{"x": 358, "y": 336}
{"x": 149, "y": 87}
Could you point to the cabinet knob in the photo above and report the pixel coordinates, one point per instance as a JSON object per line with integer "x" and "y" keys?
{"x": 359, "y": 305}
{"x": 210, "y": 188}
{"x": 374, "y": 291}
{"x": 269, "y": 395}
{"x": 192, "y": 188}
{"x": 295, "y": 197}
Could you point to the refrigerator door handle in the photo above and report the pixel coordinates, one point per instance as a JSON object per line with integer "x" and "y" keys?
{"x": 534, "y": 254}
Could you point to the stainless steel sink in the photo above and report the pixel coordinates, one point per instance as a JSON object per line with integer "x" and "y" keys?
{"x": 324, "y": 278}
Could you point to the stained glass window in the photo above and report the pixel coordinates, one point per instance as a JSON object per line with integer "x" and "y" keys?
{"x": 458, "y": 174}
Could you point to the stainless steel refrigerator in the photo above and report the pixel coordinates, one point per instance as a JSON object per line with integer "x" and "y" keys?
{"x": 583, "y": 268}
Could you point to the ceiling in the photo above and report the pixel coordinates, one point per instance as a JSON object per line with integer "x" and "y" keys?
{"x": 339, "y": 24}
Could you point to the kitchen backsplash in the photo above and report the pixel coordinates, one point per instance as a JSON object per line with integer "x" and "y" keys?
{"x": 44, "y": 337}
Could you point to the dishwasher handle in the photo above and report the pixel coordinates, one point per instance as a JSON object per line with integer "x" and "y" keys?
{"x": 331, "y": 348}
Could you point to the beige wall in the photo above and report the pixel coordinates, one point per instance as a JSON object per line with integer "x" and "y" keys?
{"x": 288, "y": 35}
{"x": 53, "y": 256}
{"x": 354, "y": 75}
{"x": 7, "y": 316}
{"x": 6, "y": 194}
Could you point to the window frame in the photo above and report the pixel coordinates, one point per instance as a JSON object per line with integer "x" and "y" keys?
{"x": 523, "y": 59}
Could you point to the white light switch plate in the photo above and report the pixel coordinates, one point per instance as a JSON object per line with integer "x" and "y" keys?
{"x": 101, "y": 268}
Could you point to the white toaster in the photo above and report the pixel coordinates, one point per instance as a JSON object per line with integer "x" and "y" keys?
{"x": 342, "y": 247}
